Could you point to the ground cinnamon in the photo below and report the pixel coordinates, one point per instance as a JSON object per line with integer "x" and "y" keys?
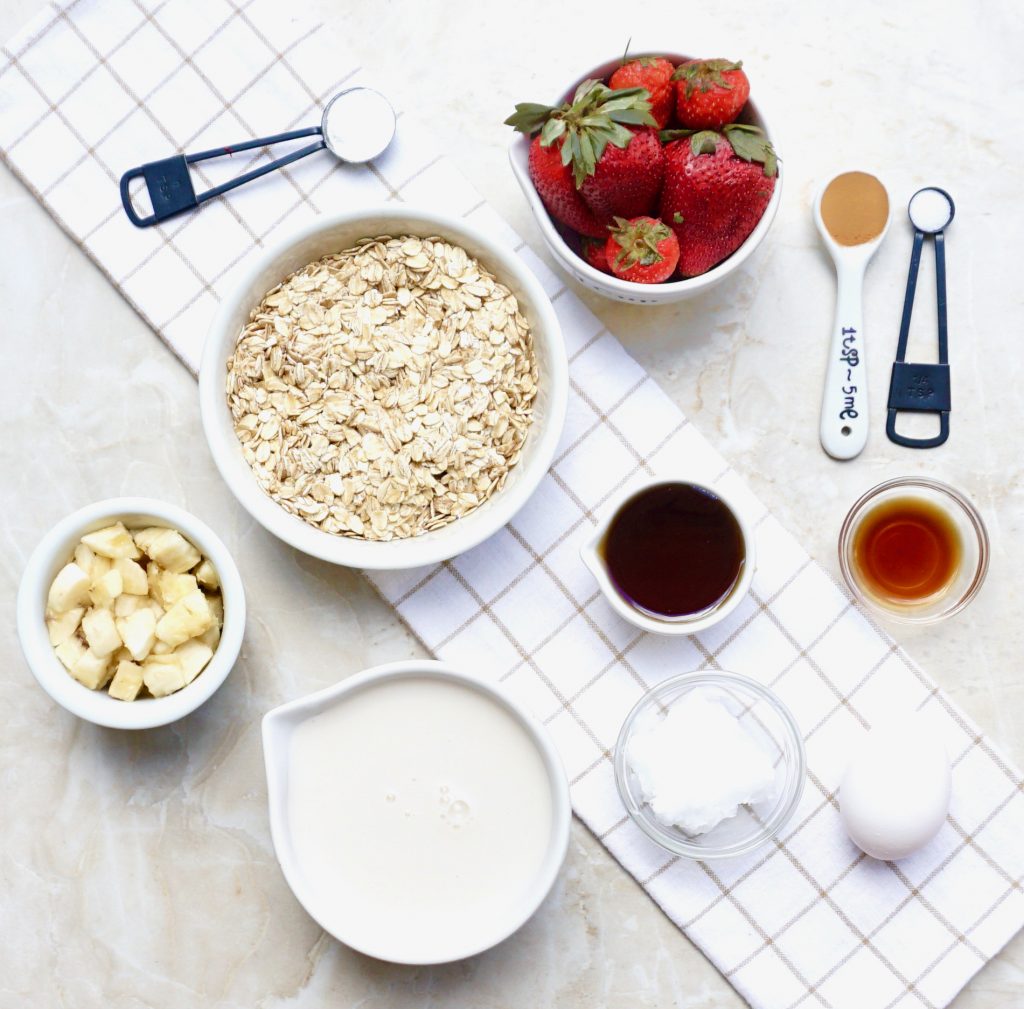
{"x": 855, "y": 207}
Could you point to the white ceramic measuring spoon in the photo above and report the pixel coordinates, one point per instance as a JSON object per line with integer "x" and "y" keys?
{"x": 844, "y": 405}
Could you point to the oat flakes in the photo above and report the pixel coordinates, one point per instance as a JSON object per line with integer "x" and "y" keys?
{"x": 386, "y": 390}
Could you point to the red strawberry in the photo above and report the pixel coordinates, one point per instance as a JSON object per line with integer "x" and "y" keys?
{"x": 604, "y": 137}
{"x": 709, "y": 93}
{"x": 654, "y": 74}
{"x": 644, "y": 250}
{"x": 717, "y": 186}
{"x": 626, "y": 180}
{"x": 554, "y": 185}
{"x": 592, "y": 250}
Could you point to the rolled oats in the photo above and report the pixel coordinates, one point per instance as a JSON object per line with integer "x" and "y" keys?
{"x": 384, "y": 391}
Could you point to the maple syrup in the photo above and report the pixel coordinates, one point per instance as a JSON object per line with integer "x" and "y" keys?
{"x": 674, "y": 550}
{"x": 907, "y": 550}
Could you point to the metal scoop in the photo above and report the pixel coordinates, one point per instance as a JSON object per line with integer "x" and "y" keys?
{"x": 358, "y": 124}
{"x": 923, "y": 388}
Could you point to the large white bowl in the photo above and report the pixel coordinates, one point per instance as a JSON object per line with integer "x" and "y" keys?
{"x": 55, "y": 550}
{"x": 333, "y": 233}
{"x": 278, "y": 728}
{"x": 561, "y": 241}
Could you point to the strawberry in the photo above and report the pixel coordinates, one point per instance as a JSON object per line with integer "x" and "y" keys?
{"x": 644, "y": 250}
{"x": 717, "y": 186}
{"x": 554, "y": 185}
{"x": 654, "y": 74}
{"x": 592, "y": 250}
{"x": 606, "y": 138}
{"x": 709, "y": 93}
{"x": 626, "y": 180}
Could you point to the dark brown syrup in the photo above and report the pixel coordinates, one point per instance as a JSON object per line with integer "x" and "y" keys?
{"x": 674, "y": 550}
{"x": 906, "y": 550}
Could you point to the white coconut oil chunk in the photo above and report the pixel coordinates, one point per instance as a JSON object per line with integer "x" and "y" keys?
{"x": 358, "y": 124}
{"x": 698, "y": 765}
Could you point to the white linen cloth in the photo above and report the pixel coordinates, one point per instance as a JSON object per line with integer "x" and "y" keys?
{"x": 93, "y": 88}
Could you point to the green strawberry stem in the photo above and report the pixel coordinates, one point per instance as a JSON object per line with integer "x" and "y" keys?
{"x": 747, "y": 142}
{"x": 638, "y": 242}
{"x": 705, "y": 74}
{"x": 596, "y": 116}
{"x": 667, "y": 136}
{"x": 751, "y": 144}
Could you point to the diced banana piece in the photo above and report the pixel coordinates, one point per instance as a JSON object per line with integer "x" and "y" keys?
{"x": 216, "y": 601}
{"x": 100, "y": 566}
{"x": 92, "y": 670}
{"x": 114, "y": 541}
{"x": 171, "y": 587}
{"x": 106, "y": 588}
{"x": 127, "y": 681}
{"x": 206, "y": 575}
{"x": 187, "y": 618}
{"x": 157, "y": 610}
{"x": 84, "y": 558}
{"x": 100, "y": 632}
{"x": 162, "y": 648}
{"x": 69, "y": 590}
{"x": 125, "y": 605}
{"x": 138, "y": 632}
{"x": 70, "y": 651}
{"x": 163, "y": 674}
{"x": 133, "y": 576}
{"x": 62, "y": 627}
{"x": 211, "y": 636}
{"x": 172, "y": 551}
{"x": 144, "y": 537}
{"x": 153, "y": 572}
{"x": 192, "y": 657}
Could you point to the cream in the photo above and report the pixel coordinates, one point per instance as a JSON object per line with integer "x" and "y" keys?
{"x": 424, "y": 809}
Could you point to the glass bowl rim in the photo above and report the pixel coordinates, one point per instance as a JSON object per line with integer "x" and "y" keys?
{"x": 797, "y": 768}
{"x": 960, "y": 502}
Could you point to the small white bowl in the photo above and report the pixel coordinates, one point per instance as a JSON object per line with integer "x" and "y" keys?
{"x": 55, "y": 550}
{"x": 278, "y": 728}
{"x": 555, "y": 234}
{"x": 590, "y": 554}
{"x": 334, "y": 233}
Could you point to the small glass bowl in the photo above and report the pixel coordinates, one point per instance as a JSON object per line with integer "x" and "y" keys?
{"x": 973, "y": 538}
{"x": 767, "y": 720}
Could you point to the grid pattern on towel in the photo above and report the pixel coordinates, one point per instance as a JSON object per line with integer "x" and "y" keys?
{"x": 93, "y": 88}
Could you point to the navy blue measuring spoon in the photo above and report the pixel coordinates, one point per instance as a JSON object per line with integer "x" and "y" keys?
{"x": 357, "y": 125}
{"x": 923, "y": 388}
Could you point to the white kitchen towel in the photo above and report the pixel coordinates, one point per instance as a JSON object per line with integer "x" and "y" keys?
{"x": 93, "y": 88}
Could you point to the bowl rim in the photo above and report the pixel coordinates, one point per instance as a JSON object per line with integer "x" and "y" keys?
{"x": 518, "y": 147}
{"x": 97, "y": 706}
{"x": 958, "y": 502}
{"x": 420, "y": 550}
{"x": 279, "y": 722}
{"x": 798, "y": 771}
{"x": 591, "y": 557}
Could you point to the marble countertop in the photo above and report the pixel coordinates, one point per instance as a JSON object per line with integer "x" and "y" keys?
{"x": 136, "y": 869}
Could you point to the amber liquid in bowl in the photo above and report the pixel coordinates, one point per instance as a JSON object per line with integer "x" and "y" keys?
{"x": 907, "y": 550}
